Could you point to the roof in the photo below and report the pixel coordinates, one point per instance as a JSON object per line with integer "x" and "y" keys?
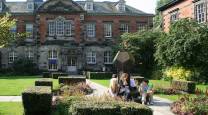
{"x": 99, "y": 8}
{"x": 169, "y": 4}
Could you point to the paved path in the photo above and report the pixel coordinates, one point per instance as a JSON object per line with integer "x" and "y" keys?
{"x": 10, "y": 98}
{"x": 161, "y": 106}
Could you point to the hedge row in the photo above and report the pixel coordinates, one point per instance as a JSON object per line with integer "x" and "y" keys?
{"x": 71, "y": 80}
{"x": 53, "y": 75}
{"x": 83, "y": 107}
{"x": 187, "y": 86}
{"x": 37, "y": 100}
{"x": 44, "y": 82}
{"x": 99, "y": 75}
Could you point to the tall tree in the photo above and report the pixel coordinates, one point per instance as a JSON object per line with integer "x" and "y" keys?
{"x": 6, "y": 36}
{"x": 158, "y": 16}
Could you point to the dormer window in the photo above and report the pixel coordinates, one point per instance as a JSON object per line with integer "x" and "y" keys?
{"x": 89, "y": 5}
{"x": 121, "y": 5}
{"x": 30, "y": 6}
{"x": 1, "y": 6}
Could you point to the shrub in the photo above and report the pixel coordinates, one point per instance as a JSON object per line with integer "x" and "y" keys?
{"x": 178, "y": 73}
{"x": 37, "y": 100}
{"x": 57, "y": 75}
{"x": 167, "y": 91}
{"x": 85, "y": 106}
{"x": 191, "y": 106}
{"x": 24, "y": 66}
{"x": 187, "y": 86}
{"x": 46, "y": 75}
{"x": 99, "y": 75}
{"x": 44, "y": 82}
{"x": 71, "y": 80}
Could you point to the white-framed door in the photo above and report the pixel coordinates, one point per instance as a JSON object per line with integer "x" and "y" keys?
{"x": 72, "y": 65}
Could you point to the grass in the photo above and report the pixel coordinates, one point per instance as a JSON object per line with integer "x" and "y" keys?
{"x": 11, "y": 108}
{"x": 15, "y": 85}
{"x": 156, "y": 83}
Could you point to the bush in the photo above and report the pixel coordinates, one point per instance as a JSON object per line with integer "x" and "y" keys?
{"x": 57, "y": 75}
{"x": 46, "y": 75}
{"x": 93, "y": 107}
{"x": 71, "y": 80}
{"x": 187, "y": 86}
{"x": 44, "y": 82}
{"x": 178, "y": 73}
{"x": 37, "y": 100}
{"x": 24, "y": 67}
{"x": 191, "y": 106}
{"x": 99, "y": 75}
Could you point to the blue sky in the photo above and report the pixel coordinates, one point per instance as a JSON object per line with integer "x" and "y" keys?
{"x": 144, "y": 5}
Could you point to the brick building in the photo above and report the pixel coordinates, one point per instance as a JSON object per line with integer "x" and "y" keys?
{"x": 70, "y": 36}
{"x": 177, "y": 9}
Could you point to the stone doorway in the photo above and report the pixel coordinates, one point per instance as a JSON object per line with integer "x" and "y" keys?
{"x": 72, "y": 64}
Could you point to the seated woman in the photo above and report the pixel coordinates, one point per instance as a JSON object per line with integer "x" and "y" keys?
{"x": 113, "y": 86}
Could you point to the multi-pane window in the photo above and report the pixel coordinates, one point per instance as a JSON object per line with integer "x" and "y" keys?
{"x": 91, "y": 57}
{"x": 13, "y": 30}
{"x": 174, "y": 16}
{"x": 89, "y": 6}
{"x": 68, "y": 28}
{"x": 108, "y": 30}
{"x": 60, "y": 27}
{"x": 122, "y": 7}
{"x": 52, "y": 28}
{"x": 30, "y": 6}
{"x": 142, "y": 26}
{"x": 200, "y": 12}
{"x": 124, "y": 27}
{"x": 53, "y": 60}
{"x": 90, "y": 29}
{"x": 29, "y": 29}
{"x": 1, "y": 6}
{"x": 30, "y": 55}
{"x": 108, "y": 57}
{"x": 12, "y": 56}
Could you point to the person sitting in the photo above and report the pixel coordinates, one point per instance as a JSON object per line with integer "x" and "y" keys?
{"x": 143, "y": 90}
{"x": 150, "y": 93}
{"x": 113, "y": 86}
{"x": 124, "y": 86}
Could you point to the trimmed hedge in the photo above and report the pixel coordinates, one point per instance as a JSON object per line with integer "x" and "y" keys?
{"x": 71, "y": 80}
{"x": 86, "y": 107}
{"x": 99, "y": 75}
{"x": 46, "y": 75}
{"x": 187, "y": 86}
{"x": 37, "y": 100}
{"x": 57, "y": 75}
{"x": 44, "y": 82}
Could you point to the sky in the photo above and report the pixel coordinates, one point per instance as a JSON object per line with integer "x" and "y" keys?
{"x": 147, "y": 6}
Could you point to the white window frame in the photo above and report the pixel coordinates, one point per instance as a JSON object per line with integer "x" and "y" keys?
{"x": 108, "y": 57}
{"x": 1, "y": 6}
{"x": 200, "y": 12}
{"x": 53, "y": 54}
{"x": 68, "y": 28}
{"x": 121, "y": 7}
{"x": 124, "y": 27}
{"x": 174, "y": 16}
{"x": 91, "y": 57}
{"x": 30, "y": 55}
{"x": 142, "y": 26}
{"x": 51, "y": 28}
{"x": 30, "y": 6}
{"x": 12, "y": 56}
{"x": 108, "y": 30}
{"x": 90, "y": 27}
{"x": 89, "y": 6}
{"x": 59, "y": 27}
{"x": 29, "y": 30}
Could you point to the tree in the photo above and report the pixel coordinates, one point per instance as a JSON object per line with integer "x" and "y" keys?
{"x": 141, "y": 45}
{"x": 6, "y": 37}
{"x": 158, "y": 16}
{"x": 185, "y": 45}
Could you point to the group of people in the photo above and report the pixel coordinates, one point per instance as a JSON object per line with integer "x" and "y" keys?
{"x": 124, "y": 86}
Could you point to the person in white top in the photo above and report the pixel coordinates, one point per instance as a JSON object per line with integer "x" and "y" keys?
{"x": 113, "y": 90}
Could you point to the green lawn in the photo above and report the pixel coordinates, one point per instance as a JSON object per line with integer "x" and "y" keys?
{"x": 14, "y": 85}
{"x": 11, "y": 108}
{"x": 157, "y": 84}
